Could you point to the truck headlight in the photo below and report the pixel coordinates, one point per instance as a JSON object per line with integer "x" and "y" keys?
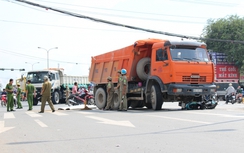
{"x": 177, "y": 90}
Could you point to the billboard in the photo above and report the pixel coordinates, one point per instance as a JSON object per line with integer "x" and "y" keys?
{"x": 226, "y": 71}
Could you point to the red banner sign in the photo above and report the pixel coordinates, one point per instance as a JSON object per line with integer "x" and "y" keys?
{"x": 226, "y": 71}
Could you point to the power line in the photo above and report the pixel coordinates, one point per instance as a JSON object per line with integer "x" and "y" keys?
{"x": 149, "y": 13}
{"x": 34, "y": 57}
{"x": 126, "y": 26}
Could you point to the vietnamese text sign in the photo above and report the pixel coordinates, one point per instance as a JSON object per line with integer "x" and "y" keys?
{"x": 225, "y": 71}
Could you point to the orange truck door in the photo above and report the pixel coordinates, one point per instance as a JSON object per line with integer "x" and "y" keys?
{"x": 160, "y": 64}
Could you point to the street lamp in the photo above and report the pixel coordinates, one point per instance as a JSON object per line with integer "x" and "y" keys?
{"x": 32, "y": 64}
{"x": 48, "y": 54}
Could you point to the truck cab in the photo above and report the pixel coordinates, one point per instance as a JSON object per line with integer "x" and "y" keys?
{"x": 37, "y": 79}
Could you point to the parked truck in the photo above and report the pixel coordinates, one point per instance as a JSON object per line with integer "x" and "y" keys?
{"x": 157, "y": 71}
{"x": 58, "y": 80}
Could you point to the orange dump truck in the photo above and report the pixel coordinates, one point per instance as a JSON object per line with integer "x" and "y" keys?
{"x": 157, "y": 71}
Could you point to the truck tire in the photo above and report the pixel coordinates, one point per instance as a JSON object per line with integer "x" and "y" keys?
{"x": 116, "y": 101}
{"x": 35, "y": 101}
{"x": 156, "y": 97}
{"x": 143, "y": 68}
{"x": 148, "y": 105}
{"x": 100, "y": 98}
{"x": 55, "y": 97}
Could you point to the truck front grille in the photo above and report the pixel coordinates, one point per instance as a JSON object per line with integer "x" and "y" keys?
{"x": 189, "y": 79}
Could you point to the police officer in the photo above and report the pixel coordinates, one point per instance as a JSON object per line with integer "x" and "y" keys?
{"x": 110, "y": 92}
{"x": 30, "y": 90}
{"x": 123, "y": 91}
{"x": 10, "y": 98}
{"x": 18, "y": 97}
{"x": 46, "y": 95}
{"x": 118, "y": 86}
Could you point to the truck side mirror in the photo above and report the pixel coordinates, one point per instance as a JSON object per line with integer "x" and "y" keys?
{"x": 50, "y": 77}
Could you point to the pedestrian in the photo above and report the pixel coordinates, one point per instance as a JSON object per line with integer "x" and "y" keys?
{"x": 10, "y": 97}
{"x": 46, "y": 95}
{"x": 30, "y": 92}
{"x": 67, "y": 94}
{"x": 118, "y": 86}
{"x": 19, "y": 105}
{"x": 123, "y": 91}
{"x": 75, "y": 89}
{"x": 110, "y": 93}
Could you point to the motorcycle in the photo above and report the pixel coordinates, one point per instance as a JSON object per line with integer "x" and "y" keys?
{"x": 4, "y": 100}
{"x": 77, "y": 100}
{"x": 231, "y": 98}
{"x": 239, "y": 98}
{"x": 208, "y": 102}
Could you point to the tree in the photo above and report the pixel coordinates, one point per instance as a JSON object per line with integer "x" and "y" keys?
{"x": 229, "y": 28}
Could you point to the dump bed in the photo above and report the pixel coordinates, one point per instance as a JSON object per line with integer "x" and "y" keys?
{"x": 71, "y": 79}
{"x": 109, "y": 63}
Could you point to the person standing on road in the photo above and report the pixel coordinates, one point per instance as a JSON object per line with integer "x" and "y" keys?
{"x": 46, "y": 95}
{"x": 30, "y": 91}
{"x": 67, "y": 92}
{"x": 19, "y": 105}
{"x": 123, "y": 91}
{"x": 118, "y": 86}
{"x": 110, "y": 92}
{"x": 10, "y": 98}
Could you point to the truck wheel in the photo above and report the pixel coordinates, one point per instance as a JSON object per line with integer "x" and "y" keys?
{"x": 116, "y": 101}
{"x": 100, "y": 98}
{"x": 156, "y": 97}
{"x": 35, "y": 101}
{"x": 148, "y": 105}
{"x": 143, "y": 68}
{"x": 55, "y": 97}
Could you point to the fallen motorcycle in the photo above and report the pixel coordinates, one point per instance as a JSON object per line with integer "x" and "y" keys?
{"x": 77, "y": 100}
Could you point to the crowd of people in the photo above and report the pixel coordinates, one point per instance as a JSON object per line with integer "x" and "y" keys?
{"x": 30, "y": 93}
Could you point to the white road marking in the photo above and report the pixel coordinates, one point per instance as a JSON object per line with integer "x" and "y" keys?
{"x": 86, "y": 113}
{"x": 4, "y": 129}
{"x": 8, "y": 115}
{"x": 33, "y": 114}
{"x": 40, "y": 123}
{"x": 180, "y": 119}
{"x": 112, "y": 122}
{"x": 213, "y": 114}
{"x": 58, "y": 113}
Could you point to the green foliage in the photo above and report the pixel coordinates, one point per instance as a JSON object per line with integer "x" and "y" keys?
{"x": 229, "y": 28}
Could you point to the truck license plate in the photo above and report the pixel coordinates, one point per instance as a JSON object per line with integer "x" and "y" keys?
{"x": 197, "y": 90}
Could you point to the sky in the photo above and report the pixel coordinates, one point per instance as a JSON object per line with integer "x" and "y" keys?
{"x": 24, "y": 28}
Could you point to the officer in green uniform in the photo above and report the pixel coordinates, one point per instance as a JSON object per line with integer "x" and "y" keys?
{"x": 30, "y": 90}
{"x": 18, "y": 97}
{"x": 123, "y": 91}
{"x": 118, "y": 86}
{"x": 46, "y": 95}
{"x": 9, "y": 89}
{"x": 110, "y": 92}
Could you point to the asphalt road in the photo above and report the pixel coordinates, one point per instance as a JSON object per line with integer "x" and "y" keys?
{"x": 170, "y": 130}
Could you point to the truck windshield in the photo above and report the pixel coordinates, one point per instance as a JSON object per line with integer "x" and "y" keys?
{"x": 36, "y": 77}
{"x": 189, "y": 54}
